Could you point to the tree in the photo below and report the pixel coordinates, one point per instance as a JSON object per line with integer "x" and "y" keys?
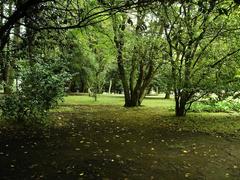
{"x": 140, "y": 63}
{"x": 8, "y": 61}
{"x": 36, "y": 16}
{"x": 192, "y": 29}
{"x": 90, "y": 55}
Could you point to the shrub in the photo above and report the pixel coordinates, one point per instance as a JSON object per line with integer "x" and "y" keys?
{"x": 42, "y": 86}
{"x": 216, "y": 106}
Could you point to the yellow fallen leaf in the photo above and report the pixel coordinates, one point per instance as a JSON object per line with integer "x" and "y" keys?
{"x": 187, "y": 175}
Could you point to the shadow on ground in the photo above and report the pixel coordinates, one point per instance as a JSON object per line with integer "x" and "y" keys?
{"x": 95, "y": 147}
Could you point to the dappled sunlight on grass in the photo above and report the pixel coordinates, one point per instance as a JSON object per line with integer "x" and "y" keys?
{"x": 155, "y": 112}
{"x": 87, "y": 100}
{"x": 116, "y": 100}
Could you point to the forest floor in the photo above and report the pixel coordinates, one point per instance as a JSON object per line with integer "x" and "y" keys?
{"x": 111, "y": 142}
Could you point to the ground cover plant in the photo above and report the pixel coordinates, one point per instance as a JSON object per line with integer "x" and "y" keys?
{"x": 216, "y": 106}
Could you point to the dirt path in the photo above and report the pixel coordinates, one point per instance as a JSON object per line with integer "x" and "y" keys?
{"x": 107, "y": 149}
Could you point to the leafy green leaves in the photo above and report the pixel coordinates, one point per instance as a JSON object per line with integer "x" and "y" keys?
{"x": 42, "y": 86}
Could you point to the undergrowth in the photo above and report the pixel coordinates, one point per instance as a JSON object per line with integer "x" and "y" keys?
{"x": 216, "y": 106}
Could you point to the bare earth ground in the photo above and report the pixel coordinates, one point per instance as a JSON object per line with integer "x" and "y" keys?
{"x": 92, "y": 143}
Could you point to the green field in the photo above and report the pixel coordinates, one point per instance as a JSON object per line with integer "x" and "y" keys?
{"x": 154, "y": 111}
{"x": 151, "y": 101}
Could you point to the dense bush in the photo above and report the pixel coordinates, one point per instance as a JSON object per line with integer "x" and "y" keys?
{"x": 216, "y": 106}
{"x": 42, "y": 86}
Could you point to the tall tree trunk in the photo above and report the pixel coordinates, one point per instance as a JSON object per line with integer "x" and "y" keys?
{"x": 7, "y": 69}
{"x": 180, "y": 108}
{"x": 8, "y": 88}
{"x": 122, "y": 74}
{"x": 110, "y": 86}
{"x": 157, "y": 90}
{"x": 30, "y": 42}
{"x": 5, "y": 77}
{"x": 1, "y": 53}
{"x": 1, "y": 12}
{"x": 119, "y": 44}
{"x": 167, "y": 94}
{"x": 168, "y": 90}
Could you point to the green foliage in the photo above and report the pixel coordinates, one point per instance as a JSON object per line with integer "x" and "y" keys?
{"x": 91, "y": 55}
{"x": 216, "y": 106}
{"x": 189, "y": 47}
{"x": 42, "y": 86}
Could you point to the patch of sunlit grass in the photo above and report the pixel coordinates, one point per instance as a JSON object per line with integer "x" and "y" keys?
{"x": 116, "y": 100}
{"x": 87, "y": 100}
{"x": 154, "y": 113}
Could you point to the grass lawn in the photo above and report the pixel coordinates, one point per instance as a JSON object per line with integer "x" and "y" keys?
{"x": 151, "y": 101}
{"x": 158, "y": 111}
